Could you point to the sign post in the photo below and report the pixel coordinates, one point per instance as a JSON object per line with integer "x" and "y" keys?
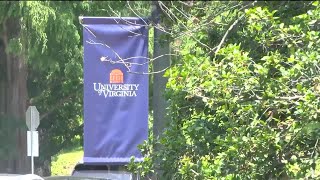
{"x": 32, "y": 121}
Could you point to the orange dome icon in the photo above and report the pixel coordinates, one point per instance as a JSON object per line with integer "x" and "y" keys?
{"x": 116, "y": 76}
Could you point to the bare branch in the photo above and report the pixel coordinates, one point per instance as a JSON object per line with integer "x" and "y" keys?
{"x": 123, "y": 60}
{"x": 149, "y": 25}
{"x": 136, "y": 13}
{"x": 255, "y": 97}
{"x": 315, "y": 147}
{"x": 89, "y": 31}
{"x": 149, "y": 60}
{"x": 226, "y": 34}
{"x": 180, "y": 11}
{"x": 136, "y": 34}
{"x": 229, "y": 29}
{"x": 118, "y": 56}
{"x": 128, "y": 22}
{"x": 131, "y": 24}
{"x": 163, "y": 10}
{"x": 154, "y": 72}
{"x": 199, "y": 26}
{"x": 184, "y": 26}
{"x": 185, "y": 3}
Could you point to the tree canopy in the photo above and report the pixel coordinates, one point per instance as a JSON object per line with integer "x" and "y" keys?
{"x": 42, "y": 41}
{"x": 243, "y": 85}
{"x": 243, "y": 92}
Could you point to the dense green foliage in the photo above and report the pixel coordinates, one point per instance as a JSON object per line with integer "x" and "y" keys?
{"x": 58, "y": 89}
{"x": 49, "y": 41}
{"x": 243, "y": 93}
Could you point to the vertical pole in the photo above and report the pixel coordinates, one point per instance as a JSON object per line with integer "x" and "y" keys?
{"x": 32, "y": 164}
{"x": 159, "y": 82}
{"x": 31, "y": 145}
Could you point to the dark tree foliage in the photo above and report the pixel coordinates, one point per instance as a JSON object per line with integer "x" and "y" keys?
{"x": 243, "y": 92}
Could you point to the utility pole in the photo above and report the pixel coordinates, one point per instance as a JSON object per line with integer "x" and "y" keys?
{"x": 159, "y": 103}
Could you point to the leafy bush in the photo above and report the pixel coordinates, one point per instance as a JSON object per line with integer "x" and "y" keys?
{"x": 248, "y": 108}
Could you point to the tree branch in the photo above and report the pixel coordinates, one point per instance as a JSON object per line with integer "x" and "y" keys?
{"x": 135, "y": 13}
{"x": 314, "y": 148}
{"x": 228, "y": 31}
{"x": 194, "y": 38}
{"x": 56, "y": 106}
{"x": 254, "y": 98}
{"x": 129, "y": 64}
{"x": 149, "y": 25}
{"x": 226, "y": 34}
{"x": 153, "y": 72}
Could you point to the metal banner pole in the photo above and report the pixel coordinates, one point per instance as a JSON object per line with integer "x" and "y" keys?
{"x": 32, "y": 164}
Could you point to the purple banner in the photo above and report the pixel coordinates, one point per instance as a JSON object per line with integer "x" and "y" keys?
{"x": 115, "y": 89}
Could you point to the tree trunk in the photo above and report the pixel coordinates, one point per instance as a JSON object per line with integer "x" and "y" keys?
{"x": 161, "y": 47}
{"x": 13, "y": 99}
